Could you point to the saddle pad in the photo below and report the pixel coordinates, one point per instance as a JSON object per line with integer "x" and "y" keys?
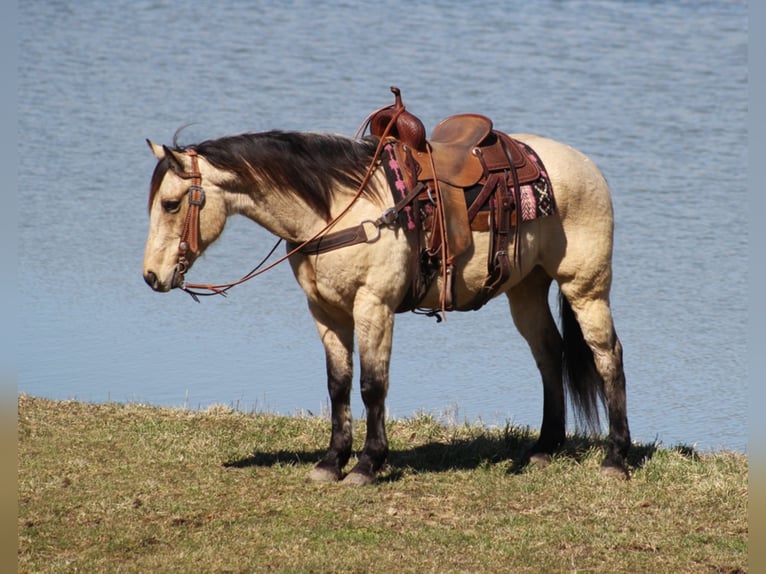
{"x": 536, "y": 197}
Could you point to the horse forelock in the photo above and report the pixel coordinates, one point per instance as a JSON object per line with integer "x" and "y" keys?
{"x": 308, "y": 165}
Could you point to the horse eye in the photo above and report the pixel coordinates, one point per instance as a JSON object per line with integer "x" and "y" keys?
{"x": 171, "y": 206}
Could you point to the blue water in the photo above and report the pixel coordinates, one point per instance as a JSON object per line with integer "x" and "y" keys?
{"x": 655, "y": 92}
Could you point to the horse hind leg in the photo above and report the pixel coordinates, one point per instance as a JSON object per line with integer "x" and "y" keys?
{"x": 532, "y": 316}
{"x": 593, "y": 357}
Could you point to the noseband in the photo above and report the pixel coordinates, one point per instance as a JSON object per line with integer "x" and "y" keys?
{"x": 189, "y": 241}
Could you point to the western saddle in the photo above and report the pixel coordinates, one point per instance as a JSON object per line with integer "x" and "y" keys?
{"x": 465, "y": 169}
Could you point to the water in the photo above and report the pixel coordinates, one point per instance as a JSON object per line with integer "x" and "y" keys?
{"x": 655, "y": 92}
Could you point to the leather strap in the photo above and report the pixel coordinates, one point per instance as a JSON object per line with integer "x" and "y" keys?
{"x": 189, "y": 241}
{"x": 481, "y": 221}
{"x": 334, "y": 240}
{"x": 357, "y": 234}
{"x": 489, "y": 186}
{"x": 500, "y": 221}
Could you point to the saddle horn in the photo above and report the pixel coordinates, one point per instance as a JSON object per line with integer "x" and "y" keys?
{"x": 407, "y": 127}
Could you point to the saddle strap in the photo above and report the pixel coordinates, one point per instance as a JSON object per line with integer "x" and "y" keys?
{"x": 501, "y": 204}
{"x": 489, "y": 186}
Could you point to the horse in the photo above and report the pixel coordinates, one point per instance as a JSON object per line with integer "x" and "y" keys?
{"x": 297, "y": 185}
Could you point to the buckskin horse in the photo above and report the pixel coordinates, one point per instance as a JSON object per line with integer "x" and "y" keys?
{"x": 392, "y": 222}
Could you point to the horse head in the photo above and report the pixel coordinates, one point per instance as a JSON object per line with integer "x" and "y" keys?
{"x": 186, "y": 214}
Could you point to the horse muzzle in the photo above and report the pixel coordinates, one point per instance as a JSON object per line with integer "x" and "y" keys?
{"x": 176, "y": 279}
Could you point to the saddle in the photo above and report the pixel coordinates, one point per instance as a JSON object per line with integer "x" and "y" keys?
{"x": 464, "y": 169}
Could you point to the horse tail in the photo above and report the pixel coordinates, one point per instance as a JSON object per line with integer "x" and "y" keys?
{"x": 583, "y": 384}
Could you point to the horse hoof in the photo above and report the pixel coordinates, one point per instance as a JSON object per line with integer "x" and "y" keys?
{"x": 358, "y": 479}
{"x": 614, "y": 472}
{"x": 540, "y": 459}
{"x": 322, "y": 475}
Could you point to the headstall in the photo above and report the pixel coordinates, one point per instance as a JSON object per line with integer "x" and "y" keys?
{"x": 189, "y": 241}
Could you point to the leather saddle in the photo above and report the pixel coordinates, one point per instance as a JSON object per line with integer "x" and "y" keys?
{"x": 463, "y": 154}
{"x": 465, "y": 149}
{"x": 401, "y": 124}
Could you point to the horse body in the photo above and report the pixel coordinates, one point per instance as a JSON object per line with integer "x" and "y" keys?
{"x": 356, "y": 290}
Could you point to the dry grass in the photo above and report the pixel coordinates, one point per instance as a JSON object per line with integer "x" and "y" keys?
{"x": 131, "y": 488}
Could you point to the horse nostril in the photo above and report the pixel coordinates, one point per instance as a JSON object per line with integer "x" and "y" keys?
{"x": 151, "y": 279}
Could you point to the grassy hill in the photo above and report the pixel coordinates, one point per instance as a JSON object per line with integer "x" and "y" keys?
{"x": 133, "y": 488}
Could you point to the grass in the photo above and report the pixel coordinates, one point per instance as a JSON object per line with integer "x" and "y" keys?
{"x": 132, "y": 488}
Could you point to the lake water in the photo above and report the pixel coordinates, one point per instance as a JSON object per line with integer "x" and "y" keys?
{"x": 655, "y": 92}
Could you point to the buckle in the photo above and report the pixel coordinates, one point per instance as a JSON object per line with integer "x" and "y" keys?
{"x": 388, "y": 217}
{"x": 196, "y": 195}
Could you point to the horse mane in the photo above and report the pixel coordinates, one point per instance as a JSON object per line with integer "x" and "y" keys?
{"x": 309, "y": 165}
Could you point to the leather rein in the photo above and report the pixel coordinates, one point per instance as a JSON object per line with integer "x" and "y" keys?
{"x": 318, "y": 243}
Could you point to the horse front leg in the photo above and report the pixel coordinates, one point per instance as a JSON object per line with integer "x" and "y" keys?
{"x": 374, "y": 327}
{"x": 338, "y": 341}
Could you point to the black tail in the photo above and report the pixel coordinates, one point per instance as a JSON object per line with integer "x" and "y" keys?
{"x": 582, "y": 382}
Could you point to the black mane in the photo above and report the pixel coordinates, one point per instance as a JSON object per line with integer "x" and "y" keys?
{"x": 309, "y": 165}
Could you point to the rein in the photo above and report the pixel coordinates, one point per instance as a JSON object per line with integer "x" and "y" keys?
{"x": 189, "y": 240}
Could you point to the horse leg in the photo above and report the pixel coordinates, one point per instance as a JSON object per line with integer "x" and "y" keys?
{"x": 338, "y": 342}
{"x": 532, "y": 316}
{"x": 374, "y": 327}
{"x": 596, "y": 329}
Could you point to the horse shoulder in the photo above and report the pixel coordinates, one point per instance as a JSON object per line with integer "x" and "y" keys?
{"x": 336, "y": 278}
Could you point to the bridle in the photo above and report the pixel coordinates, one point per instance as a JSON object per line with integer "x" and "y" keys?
{"x": 189, "y": 240}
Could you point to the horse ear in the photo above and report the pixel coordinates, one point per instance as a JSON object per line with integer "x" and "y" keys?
{"x": 179, "y": 162}
{"x": 157, "y": 150}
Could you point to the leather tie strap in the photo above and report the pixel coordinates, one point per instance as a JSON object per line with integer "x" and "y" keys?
{"x": 357, "y": 234}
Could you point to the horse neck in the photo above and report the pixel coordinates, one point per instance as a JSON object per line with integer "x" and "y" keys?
{"x": 288, "y": 213}
{"x": 283, "y": 215}
{"x": 288, "y": 216}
